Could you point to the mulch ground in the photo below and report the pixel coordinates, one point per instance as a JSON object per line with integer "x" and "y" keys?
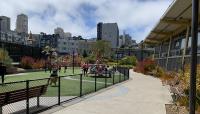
{"x": 174, "y": 109}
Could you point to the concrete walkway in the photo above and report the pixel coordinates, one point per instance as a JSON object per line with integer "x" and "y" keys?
{"x": 140, "y": 95}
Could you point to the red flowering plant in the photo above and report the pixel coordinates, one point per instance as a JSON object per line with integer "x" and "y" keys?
{"x": 27, "y": 62}
{"x": 38, "y": 64}
{"x": 145, "y": 66}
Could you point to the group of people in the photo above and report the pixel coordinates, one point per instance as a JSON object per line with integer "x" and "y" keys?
{"x": 99, "y": 69}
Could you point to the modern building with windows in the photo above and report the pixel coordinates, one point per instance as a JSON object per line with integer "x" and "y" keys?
{"x": 22, "y": 23}
{"x": 49, "y": 40}
{"x": 4, "y": 24}
{"x": 171, "y": 37}
{"x": 108, "y": 32}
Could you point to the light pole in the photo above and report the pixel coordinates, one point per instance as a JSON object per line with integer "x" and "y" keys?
{"x": 1, "y": 39}
{"x": 73, "y": 62}
{"x": 195, "y": 13}
{"x": 142, "y": 50}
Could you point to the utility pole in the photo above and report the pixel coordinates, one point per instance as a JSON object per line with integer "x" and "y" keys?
{"x": 195, "y": 13}
{"x": 73, "y": 61}
{"x": 142, "y": 50}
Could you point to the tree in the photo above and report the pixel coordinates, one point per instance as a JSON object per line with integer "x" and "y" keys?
{"x": 101, "y": 49}
{"x": 85, "y": 54}
{"x": 5, "y": 58}
{"x": 50, "y": 54}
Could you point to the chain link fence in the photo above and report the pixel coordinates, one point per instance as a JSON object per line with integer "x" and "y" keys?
{"x": 33, "y": 96}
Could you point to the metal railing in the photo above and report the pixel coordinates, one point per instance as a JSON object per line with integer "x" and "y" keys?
{"x": 39, "y": 95}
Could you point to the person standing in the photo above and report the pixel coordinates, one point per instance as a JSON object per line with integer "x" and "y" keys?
{"x": 59, "y": 68}
{"x": 65, "y": 69}
{"x": 86, "y": 68}
{"x": 2, "y": 72}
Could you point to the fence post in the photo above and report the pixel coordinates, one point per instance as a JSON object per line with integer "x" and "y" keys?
{"x": 128, "y": 73}
{"x": 59, "y": 90}
{"x": 38, "y": 101}
{"x": 27, "y": 96}
{"x": 81, "y": 83}
{"x": 119, "y": 75}
{"x": 1, "y": 109}
{"x": 124, "y": 74}
{"x": 113, "y": 73}
{"x": 106, "y": 80}
{"x": 95, "y": 86}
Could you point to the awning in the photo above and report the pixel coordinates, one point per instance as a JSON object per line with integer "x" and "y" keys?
{"x": 175, "y": 20}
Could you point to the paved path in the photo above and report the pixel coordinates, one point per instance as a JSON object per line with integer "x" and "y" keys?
{"x": 140, "y": 95}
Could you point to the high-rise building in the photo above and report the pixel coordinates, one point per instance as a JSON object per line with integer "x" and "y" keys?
{"x": 4, "y": 24}
{"x": 67, "y": 35}
{"x": 59, "y": 31}
{"x": 108, "y": 32}
{"x": 22, "y": 23}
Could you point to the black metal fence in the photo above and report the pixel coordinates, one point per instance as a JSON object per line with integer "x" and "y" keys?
{"x": 175, "y": 63}
{"x": 33, "y": 96}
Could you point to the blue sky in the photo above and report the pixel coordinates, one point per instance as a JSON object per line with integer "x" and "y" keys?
{"x": 135, "y": 17}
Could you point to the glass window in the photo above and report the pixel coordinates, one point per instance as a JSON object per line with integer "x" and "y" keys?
{"x": 177, "y": 44}
{"x": 198, "y": 39}
{"x": 189, "y": 42}
{"x": 183, "y": 43}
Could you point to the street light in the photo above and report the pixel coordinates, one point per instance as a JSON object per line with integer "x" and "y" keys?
{"x": 193, "y": 72}
{"x": 142, "y": 50}
{"x": 73, "y": 61}
{"x": 0, "y": 39}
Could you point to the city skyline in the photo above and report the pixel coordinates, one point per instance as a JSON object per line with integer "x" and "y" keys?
{"x": 81, "y": 17}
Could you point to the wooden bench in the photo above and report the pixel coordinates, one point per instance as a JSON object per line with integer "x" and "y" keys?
{"x": 19, "y": 95}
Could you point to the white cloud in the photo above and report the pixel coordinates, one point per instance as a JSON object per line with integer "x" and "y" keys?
{"x": 136, "y": 16}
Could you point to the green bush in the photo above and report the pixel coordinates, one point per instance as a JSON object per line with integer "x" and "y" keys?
{"x": 129, "y": 60}
{"x": 160, "y": 72}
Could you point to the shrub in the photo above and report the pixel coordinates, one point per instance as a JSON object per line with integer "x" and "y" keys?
{"x": 160, "y": 72}
{"x": 5, "y": 58}
{"x": 129, "y": 60}
{"x": 38, "y": 64}
{"x": 139, "y": 67}
{"x": 145, "y": 66}
{"x": 90, "y": 59}
{"x": 185, "y": 79}
{"x": 27, "y": 62}
{"x": 149, "y": 65}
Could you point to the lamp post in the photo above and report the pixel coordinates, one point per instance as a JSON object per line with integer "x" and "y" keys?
{"x": 73, "y": 62}
{"x": 0, "y": 39}
{"x": 142, "y": 50}
{"x": 195, "y": 13}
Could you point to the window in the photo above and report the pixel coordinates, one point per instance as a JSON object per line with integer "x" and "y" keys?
{"x": 64, "y": 48}
{"x": 198, "y": 39}
{"x": 183, "y": 43}
{"x": 177, "y": 44}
